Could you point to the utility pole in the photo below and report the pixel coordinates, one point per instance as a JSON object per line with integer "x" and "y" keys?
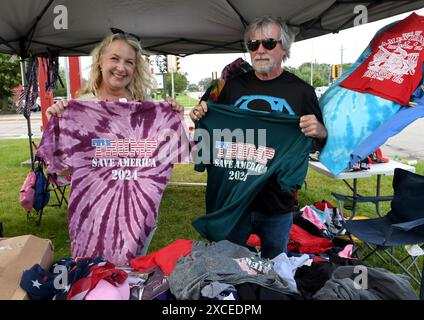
{"x": 312, "y": 73}
{"x": 171, "y": 65}
{"x": 172, "y": 85}
{"x": 341, "y": 60}
{"x": 312, "y": 63}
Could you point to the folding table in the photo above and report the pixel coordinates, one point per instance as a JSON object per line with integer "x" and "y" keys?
{"x": 377, "y": 170}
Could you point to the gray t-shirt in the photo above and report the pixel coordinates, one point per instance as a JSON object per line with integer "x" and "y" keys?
{"x": 224, "y": 262}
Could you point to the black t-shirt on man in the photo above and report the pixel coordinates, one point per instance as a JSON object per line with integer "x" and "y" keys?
{"x": 286, "y": 93}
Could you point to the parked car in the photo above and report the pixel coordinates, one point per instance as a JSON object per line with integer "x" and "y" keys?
{"x": 319, "y": 91}
{"x": 37, "y": 106}
{"x": 55, "y": 99}
{"x": 34, "y": 108}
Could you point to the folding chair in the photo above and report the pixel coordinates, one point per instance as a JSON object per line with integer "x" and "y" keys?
{"x": 55, "y": 183}
{"x": 403, "y": 225}
{"x": 59, "y": 184}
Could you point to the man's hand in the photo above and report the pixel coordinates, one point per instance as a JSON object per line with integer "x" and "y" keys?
{"x": 56, "y": 109}
{"x": 175, "y": 105}
{"x": 199, "y": 111}
{"x": 311, "y": 127}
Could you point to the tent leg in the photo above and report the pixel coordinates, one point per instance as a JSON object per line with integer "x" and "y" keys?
{"x": 31, "y": 151}
{"x": 27, "y": 116}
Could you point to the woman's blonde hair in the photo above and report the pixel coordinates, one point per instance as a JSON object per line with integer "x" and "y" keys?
{"x": 140, "y": 85}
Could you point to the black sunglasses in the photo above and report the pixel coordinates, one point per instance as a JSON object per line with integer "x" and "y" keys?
{"x": 268, "y": 44}
{"x": 126, "y": 34}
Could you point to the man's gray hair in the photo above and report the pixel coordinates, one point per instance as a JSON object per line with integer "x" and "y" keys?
{"x": 264, "y": 23}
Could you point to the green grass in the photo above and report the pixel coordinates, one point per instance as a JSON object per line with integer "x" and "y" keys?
{"x": 186, "y": 173}
{"x": 187, "y": 101}
{"x": 179, "y": 206}
{"x": 184, "y": 100}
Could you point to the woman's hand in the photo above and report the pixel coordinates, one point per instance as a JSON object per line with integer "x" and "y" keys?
{"x": 56, "y": 109}
{"x": 175, "y": 105}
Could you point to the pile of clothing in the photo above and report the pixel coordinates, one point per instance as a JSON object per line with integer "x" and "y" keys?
{"x": 195, "y": 270}
{"x": 79, "y": 279}
{"x": 318, "y": 266}
{"x": 92, "y": 279}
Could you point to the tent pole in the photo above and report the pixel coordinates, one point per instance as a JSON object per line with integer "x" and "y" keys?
{"x": 27, "y": 116}
{"x": 164, "y": 85}
{"x": 23, "y": 71}
{"x": 31, "y": 151}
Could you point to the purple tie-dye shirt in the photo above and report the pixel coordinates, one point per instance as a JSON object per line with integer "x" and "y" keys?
{"x": 121, "y": 157}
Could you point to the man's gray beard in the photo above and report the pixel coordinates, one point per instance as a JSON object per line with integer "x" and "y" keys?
{"x": 263, "y": 69}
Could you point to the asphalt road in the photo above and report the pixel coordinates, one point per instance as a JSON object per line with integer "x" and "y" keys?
{"x": 14, "y": 126}
{"x": 408, "y": 144}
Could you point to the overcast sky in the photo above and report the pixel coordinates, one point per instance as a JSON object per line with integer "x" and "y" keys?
{"x": 324, "y": 49}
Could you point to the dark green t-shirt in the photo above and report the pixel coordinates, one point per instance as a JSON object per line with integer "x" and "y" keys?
{"x": 287, "y": 94}
{"x": 256, "y": 147}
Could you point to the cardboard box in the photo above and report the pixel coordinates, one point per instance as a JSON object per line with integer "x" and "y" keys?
{"x": 16, "y": 255}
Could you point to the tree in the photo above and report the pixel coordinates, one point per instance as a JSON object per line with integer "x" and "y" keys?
{"x": 346, "y": 66}
{"x": 10, "y": 77}
{"x": 192, "y": 87}
{"x": 180, "y": 82}
{"x": 321, "y": 72}
{"x": 303, "y": 71}
{"x": 205, "y": 83}
{"x": 61, "y": 91}
{"x": 290, "y": 69}
{"x": 318, "y": 81}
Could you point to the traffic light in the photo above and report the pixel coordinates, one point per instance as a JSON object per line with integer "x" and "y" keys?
{"x": 177, "y": 64}
{"x": 172, "y": 63}
{"x": 335, "y": 71}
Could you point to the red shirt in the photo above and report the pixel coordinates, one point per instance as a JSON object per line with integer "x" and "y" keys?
{"x": 303, "y": 242}
{"x": 165, "y": 258}
{"x": 394, "y": 68}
